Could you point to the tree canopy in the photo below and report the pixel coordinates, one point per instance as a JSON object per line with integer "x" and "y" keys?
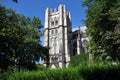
{"x": 19, "y": 39}
{"x": 103, "y": 26}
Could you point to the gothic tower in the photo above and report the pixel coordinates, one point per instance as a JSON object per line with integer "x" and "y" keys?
{"x": 57, "y": 36}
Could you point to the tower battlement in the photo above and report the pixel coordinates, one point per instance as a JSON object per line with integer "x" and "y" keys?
{"x": 60, "y": 15}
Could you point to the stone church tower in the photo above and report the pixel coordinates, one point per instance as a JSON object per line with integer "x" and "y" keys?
{"x": 57, "y": 36}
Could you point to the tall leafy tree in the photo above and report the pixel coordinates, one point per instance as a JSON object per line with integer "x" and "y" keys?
{"x": 19, "y": 39}
{"x": 103, "y": 26}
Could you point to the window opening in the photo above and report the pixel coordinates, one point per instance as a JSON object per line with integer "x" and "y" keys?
{"x": 56, "y": 31}
{"x": 52, "y": 23}
{"x": 52, "y": 32}
{"x": 56, "y": 22}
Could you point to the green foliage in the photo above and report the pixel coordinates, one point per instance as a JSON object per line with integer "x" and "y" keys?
{"x": 19, "y": 40}
{"x": 103, "y": 26}
{"x": 41, "y": 67}
{"x": 78, "y": 59}
{"x": 96, "y": 71}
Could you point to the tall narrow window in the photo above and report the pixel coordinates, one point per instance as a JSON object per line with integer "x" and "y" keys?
{"x": 56, "y": 31}
{"x": 52, "y": 32}
{"x": 54, "y": 45}
{"x": 52, "y": 23}
{"x": 57, "y": 46}
{"x": 56, "y": 22}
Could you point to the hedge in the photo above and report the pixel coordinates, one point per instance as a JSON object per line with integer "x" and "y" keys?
{"x": 96, "y": 71}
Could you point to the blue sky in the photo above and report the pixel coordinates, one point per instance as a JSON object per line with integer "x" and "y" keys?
{"x": 37, "y": 8}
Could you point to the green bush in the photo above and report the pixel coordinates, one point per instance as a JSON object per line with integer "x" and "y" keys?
{"x": 96, "y": 71}
{"x": 79, "y": 59}
{"x": 41, "y": 67}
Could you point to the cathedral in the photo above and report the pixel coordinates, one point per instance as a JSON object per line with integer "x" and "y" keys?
{"x": 62, "y": 41}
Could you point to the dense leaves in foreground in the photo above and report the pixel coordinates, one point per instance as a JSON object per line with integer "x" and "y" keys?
{"x": 96, "y": 71}
{"x": 103, "y": 26}
{"x": 19, "y": 40}
{"x": 79, "y": 59}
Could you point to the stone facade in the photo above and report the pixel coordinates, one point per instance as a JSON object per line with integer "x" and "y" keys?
{"x": 59, "y": 37}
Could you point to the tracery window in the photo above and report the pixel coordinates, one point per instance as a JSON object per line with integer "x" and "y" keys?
{"x": 56, "y": 46}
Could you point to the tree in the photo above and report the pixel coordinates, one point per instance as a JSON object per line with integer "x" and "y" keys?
{"x": 79, "y": 59}
{"x": 103, "y": 26}
{"x": 19, "y": 39}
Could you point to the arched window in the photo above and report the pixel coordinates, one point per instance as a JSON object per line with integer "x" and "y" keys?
{"x": 52, "y": 23}
{"x": 52, "y": 45}
{"x": 56, "y": 31}
{"x": 56, "y": 22}
{"x": 55, "y": 45}
{"x": 52, "y": 31}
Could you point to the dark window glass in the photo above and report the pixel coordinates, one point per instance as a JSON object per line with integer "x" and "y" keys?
{"x": 52, "y": 23}
{"x": 56, "y": 31}
{"x": 52, "y": 32}
{"x": 56, "y": 22}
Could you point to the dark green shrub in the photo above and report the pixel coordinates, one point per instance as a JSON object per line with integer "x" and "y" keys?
{"x": 101, "y": 71}
{"x": 41, "y": 67}
{"x": 91, "y": 71}
{"x": 31, "y": 66}
{"x": 79, "y": 59}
